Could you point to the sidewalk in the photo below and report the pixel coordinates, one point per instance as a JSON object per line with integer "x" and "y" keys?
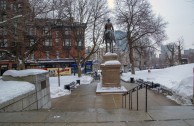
{"x": 85, "y": 97}
{"x": 159, "y": 116}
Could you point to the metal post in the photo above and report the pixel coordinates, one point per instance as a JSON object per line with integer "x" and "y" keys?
{"x": 122, "y": 100}
{"x": 193, "y": 86}
{"x": 125, "y": 101}
{"x": 146, "y": 100}
{"x": 129, "y": 99}
{"x": 137, "y": 98}
{"x": 58, "y": 77}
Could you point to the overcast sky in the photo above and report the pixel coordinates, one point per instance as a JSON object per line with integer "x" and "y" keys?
{"x": 180, "y": 18}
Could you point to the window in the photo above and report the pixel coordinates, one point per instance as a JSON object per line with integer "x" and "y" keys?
{"x": 47, "y": 42}
{"x": 14, "y": 8}
{"x": 46, "y": 31}
{"x": 57, "y": 34}
{"x": 11, "y": 6}
{"x": 3, "y": 4}
{"x": 2, "y": 54}
{"x": 67, "y": 42}
{"x": 4, "y": 17}
{"x": 79, "y": 43}
{"x": 3, "y": 31}
{"x": 32, "y": 31}
{"x": 57, "y": 55}
{"x": 47, "y": 54}
{"x": 32, "y": 42}
{"x": 3, "y": 43}
{"x": 67, "y": 32}
{"x": 32, "y": 56}
{"x": 57, "y": 40}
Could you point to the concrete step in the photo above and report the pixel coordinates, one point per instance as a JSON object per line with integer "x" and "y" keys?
{"x": 158, "y": 116}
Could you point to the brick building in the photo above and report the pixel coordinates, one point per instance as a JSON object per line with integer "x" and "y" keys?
{"x": 39, "y": 42}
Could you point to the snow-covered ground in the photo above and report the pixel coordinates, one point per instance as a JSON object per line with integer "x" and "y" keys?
{"x": 179, "y": 79}
{"x": 57, "y": 91}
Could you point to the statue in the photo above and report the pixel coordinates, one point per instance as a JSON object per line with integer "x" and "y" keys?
{"x": 109, "y": 35}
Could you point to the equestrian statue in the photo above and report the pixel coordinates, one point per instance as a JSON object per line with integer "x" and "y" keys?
{"x": 109, "y": 36}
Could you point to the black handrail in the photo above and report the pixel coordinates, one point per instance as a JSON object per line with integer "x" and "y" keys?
{"x": 142, "y": 84}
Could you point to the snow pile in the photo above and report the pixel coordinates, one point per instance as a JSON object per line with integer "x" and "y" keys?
{"x": 179, "y": 79}
{"x": 112, "y": 62}
{"x": 27, "y": 72}
{"x": 110, "y": 54}
{"x": 13, "y": 89}
{"x": 57, "y": 91}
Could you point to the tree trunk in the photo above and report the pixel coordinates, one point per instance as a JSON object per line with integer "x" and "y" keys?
{"x": 179, "y": 54}
{"x": 79, "y": 70}
{"x": 131, "y": 57}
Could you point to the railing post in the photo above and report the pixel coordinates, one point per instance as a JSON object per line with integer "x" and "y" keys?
{"x": 129, "y": 99}
{"x": 122, "y": 100}
{"x": 146, "y": 100}
{"x": 125, "y": 101}
{"x": 137, "y": 98}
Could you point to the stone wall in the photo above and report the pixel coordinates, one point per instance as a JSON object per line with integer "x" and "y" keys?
{"x": 34, "y": 100}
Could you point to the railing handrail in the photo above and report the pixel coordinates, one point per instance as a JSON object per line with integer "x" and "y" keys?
{"x": 141, "y": 84}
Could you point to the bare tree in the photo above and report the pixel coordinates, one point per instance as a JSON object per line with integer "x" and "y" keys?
{"x": 171, "y": 53}
{"x": 180, "y": 44}
{"x": 136, "y": 18}
{"x": 89, "y": 13}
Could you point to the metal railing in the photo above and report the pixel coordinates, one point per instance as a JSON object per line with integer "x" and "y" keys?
{"x": 141, "y": 84}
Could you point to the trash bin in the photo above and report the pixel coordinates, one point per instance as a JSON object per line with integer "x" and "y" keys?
{"x": 132, "y": 80}
{"x": 78, "y": 82}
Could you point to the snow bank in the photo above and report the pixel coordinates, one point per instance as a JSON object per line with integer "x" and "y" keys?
{"x": 179, "y": 79}
{"x": 12, "y": 89}
{"x": 27, "y": 72}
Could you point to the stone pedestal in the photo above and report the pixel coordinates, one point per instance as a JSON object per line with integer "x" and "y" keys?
{"x": 110, "y": 70}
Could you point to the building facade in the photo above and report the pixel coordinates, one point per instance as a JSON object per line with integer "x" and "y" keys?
{"x": 38, "y": 42}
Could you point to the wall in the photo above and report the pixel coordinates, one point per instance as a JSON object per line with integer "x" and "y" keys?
{"x": 34, "y": 100}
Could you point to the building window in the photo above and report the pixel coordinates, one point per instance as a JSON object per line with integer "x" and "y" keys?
{"x": 48, "y": 42}
{"x": 3, "y": 4}
{"x": 32, "y": 31}
{"x": 32, "y": 56}
{"x": 57, "y": 55}
{"x": 57, "y": 34}
{"x": 67, "y": 32}
{"x": 4, "y": 17}
{"x": 11, "y": 6}
{"x": 3, "y": 31}
{"x": 47, "y": 55}
{"x": 2, "y": 54}
{"x": 79, "y": 43}
{"x": 57, "y": 40}
{"x": 47, "y": 31}
{"x": 14, "y": 7}
{"x": 32, "y": 42}
{"x": 67, "y": 42}
{"x": 3, "y": 43}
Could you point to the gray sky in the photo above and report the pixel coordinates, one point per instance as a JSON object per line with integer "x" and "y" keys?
{"x": 180, "y": 18}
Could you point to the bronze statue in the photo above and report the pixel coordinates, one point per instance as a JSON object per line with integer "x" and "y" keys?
{"x": 109, "y": 36}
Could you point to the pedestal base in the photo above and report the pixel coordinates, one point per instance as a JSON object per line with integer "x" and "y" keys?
{"x": 110, "y": 90}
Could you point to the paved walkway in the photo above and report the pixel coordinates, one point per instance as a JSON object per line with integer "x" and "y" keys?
{"x": 85, "y": 97}
{"x": 84, "y": 108}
